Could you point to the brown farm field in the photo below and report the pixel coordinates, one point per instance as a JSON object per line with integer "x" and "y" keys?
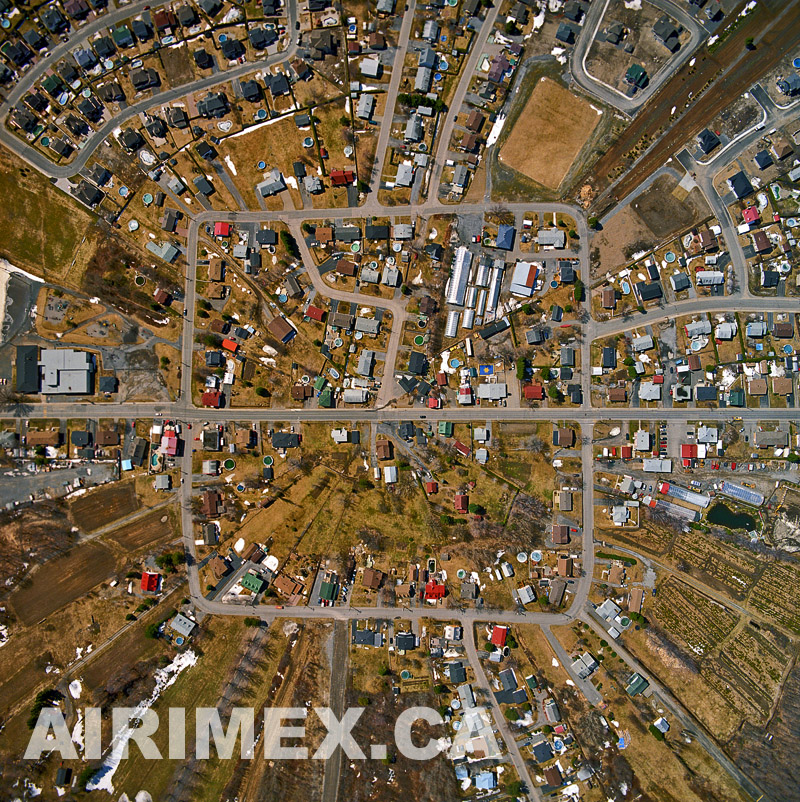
{"x": 549, "y": 134}
{"x": 147, "y": 530}
{"x": 61, "y": 581}
{"x": 101, "y": 507}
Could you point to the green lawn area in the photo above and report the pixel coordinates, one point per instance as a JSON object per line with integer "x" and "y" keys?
{"x": 43, "y": 227}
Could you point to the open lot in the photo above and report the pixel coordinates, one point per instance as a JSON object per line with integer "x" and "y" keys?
{"x": 61, "y": 581}
{"x": 154, "y": 527}
{"x": 549, "y": 134}
{"x": 54, "y": 224}
{"x": 101, "y": 507}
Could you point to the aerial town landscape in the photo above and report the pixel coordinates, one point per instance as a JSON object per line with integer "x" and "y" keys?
{"x": 365, "y": 357}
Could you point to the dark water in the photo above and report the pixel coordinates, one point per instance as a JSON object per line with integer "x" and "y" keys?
{"x": 722, "y": 515}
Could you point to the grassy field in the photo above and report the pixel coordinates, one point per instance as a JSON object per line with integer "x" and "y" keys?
{"x": 43, "y": 227}
{"x": 550, "y": 131}
{"x": 102, "y": 506}
{"x": 61, "y": 581}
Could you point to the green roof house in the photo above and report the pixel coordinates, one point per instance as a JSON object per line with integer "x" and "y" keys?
{"x": 636, "y": 76}
{"x": 327, "y": 591}
{"x": 320, "y": 382}
{"x": 446, "y": 428}
{"x": 252, "y": 582}
{"x": 736, "y": 398}
{"x": 326, "y": 398}
{"x": 636, "y": 685}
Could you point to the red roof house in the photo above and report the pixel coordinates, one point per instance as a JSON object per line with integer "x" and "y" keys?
{"x": 222, "y": 229}
{"x": 230, "y": 345}
{"x": 499, "y": 634}
{"x": 751, "y": 215}
{"x": 627, "y": 452}
{"x": 431, "y": 488}
{"x": 150, "y": 581}
{"x": 533, "y": 392}
{"x": 212, "y": 398}
{"x": 341, "y": 178}
{"x": 434, "y": 403}
{"x": 315, "y": 313}
{"x": 433, "y": 590}
{"x": 441, "y": 379}
{"x": 461, "y": 448}
{"x": 688, "y": 451}
{"x": 462, "y": 502}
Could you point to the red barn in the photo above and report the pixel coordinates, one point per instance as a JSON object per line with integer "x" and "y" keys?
{"x": 150, "y": 582}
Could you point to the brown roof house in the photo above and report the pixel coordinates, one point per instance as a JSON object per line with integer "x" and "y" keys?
{"x": 757, "y": 387}
{"x": 211, "y": 503}
{"x": 383, "y": 449}
{"x": 782, "y": 385}
{"x": 286, "y": 585}
{"x": 372, "y": 578}
{"x": 215, "y": 269}
{"x": 560, "y": 534}
{"x": 218, "y": 567}
{"x": 617, "y": 395}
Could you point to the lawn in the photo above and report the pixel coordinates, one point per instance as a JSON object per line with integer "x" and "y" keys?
{"x": 549, "y": 134}
{"x": 54, "y": 224}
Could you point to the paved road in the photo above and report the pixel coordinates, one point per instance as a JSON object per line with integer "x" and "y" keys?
{"x": 531, "y": 791}
{"x": 93, "y": 141}
{"x": 338, "y": 693}
{"x": 686, "y": 719}
{"x": 595, "y": 17}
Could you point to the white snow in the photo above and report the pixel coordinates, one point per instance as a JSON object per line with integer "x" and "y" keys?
{"x": 555, "y": 663}
{"x": 75, "y": 689}
{"x": 164, "y": 677}
{"x": 231, "y": 165}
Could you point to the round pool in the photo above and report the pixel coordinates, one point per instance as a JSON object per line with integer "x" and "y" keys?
{"x": 355, "y": 247}
{"x": 796, "y": 63}
{"x": 697, "y": 345}
{"x": 558, "y": 744}
{"x": 670, "y": 256}
{"x": 154, "y": 460}
{"x": 338, "y": 342}
{"x": 405, "y": 674}
{"x": 133, "y": 225}
{"x": 456, "y": 725}
{"x": 262, "y": 165}
{"x": 419, "y": 340}
{"x": 139, "y": 281}
{"x": 334, "y": 373}
{"x": 45, "y": 141}
{"x": 787, "y": 349}
{"x": 229, "y": 464}
{"x": 147, "y": 199}
{"x": 261, "y": 114}
{"x": 455, "y": 363}
{"x": 461, "y": 573}
{"x": 179, "y": 640}
{"x": 240, "y": 487}
{"x": 223, "y": 37}
{"x": 443, "y": 64}
{"x": 283, "y": 297}
{"x": 792, "y": 222}
{"x": 456, "y": 705}
{"x": 553, "y": 284}
{"x": 359, "y": 335}
{"x": 5, "y": 24}
{"x": 87, "y": 92}
{"x": 268, "y": 461}
{"x": 124, "y": 191}
{"x": 522, "y": 557}
{"x": 308, "y": 142}
{"x": 536, "y": 556}
{"x": 422, "y": 323}
{"x": 437, "y": 76}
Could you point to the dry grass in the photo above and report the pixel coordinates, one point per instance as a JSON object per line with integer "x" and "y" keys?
{"x": 549, "y": 134}
{"x": 61, "y": 581}
{"x": 102, "y": 506}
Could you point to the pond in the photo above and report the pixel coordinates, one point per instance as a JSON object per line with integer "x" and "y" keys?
{"x": 723, "y": 515}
